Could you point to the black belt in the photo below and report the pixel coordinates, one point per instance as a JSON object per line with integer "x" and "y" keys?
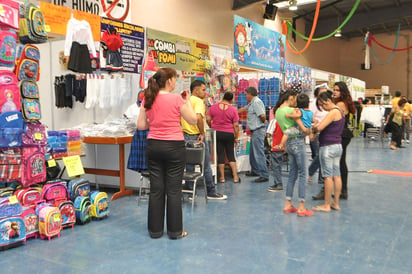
{"x": 191, "y": 134}
{"x": 256, "y": 129}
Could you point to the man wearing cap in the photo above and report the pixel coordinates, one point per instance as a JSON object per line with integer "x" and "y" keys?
{"x": 256, "y": 119}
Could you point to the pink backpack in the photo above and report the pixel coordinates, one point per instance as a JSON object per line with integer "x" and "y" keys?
{"x": 11, "y": 8}
{"x": 8, "y": 45}
{"x": 50, "y": 222}
{"x": 31, "y": 222}
{"x": 34, "y": 166}
{"x": 55, "y": 192}
{"x": 9, "y": 92}
{"x": 28, "y": 197}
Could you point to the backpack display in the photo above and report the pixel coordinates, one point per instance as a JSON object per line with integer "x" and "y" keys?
{"x": 50, "y": 222}
{"x": 12, "y": 228}
{"x": 31, "y": 222}
{"x": 11, "y": 8}
{"x": 28, "y": 197}
{"x": 34, "y": 166}
{"x": 31, "y": 25}
{"x": 100, "y": 204}
{"x": 78, "y": 187}
{"x": 27, "y": 63}
{"x": 10, "y": 168}
{"x": 82, "y": 206}
{"x": 8, "y": 45}
{"x": 68, "y": 213}
{"x": 35, "y": 134}
{"x": 12, "y": 127}
{"x": 9, "y": 92}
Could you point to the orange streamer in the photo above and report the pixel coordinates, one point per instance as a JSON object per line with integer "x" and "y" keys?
{"x": 312, "y": 32}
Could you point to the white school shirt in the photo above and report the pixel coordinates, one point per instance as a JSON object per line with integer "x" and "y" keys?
{"x": 79, "y": 31}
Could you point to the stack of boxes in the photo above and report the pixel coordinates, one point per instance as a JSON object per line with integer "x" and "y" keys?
{"x": 64, "y": 143}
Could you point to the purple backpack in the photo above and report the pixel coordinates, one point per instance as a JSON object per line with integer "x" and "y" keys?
{"x": 35, "y": 134}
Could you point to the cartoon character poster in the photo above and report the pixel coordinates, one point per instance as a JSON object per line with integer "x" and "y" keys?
{"x": 298, "y": 76}
{"x": 258, "y": 47}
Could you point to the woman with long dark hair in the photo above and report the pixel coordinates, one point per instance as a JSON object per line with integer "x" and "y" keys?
{"x": 330, "y": 151}
{"x": 343, "y": 100}
{"x": 165, "y": 151}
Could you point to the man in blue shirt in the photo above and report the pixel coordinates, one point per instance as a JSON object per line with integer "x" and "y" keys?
{"x": 256, "y": 119}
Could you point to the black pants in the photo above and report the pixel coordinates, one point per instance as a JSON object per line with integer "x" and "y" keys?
{"x": 225, "y": 143}
{"x": 343, "y": 166}
{"x": 397, "y": 133}
{"x": 166, "y": 163}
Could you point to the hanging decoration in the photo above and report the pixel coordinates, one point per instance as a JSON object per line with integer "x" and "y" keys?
{"x": 353, "y": 10}
{"x": 368, "y": 46}
{"x": 312, "y": 32}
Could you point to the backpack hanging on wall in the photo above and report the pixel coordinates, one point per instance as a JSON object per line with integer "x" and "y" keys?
{"x": 31, "y": 25}
{"x": 12, "y": 127}
{"x": 11, "y": 9}
{"x": 27, "y": 63}
{"x": 8, "y": 45}
{"x": 9, "y": 92}
{"x": 34, "y": 166}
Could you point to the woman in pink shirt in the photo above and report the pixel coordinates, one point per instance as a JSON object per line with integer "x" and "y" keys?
{"x": 224, "y": 118}
{"x": 165, "y": 151}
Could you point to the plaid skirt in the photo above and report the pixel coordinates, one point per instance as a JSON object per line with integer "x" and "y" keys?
{"x": 137, "y": 158}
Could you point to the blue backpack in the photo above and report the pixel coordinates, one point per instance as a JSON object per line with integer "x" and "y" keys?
{"x": 12, "y": 228}
{"x": 78, "y": 187}
{"x": 12, "y": 127}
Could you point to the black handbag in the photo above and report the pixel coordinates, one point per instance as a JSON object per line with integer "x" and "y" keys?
{"x": 52, "y": 172}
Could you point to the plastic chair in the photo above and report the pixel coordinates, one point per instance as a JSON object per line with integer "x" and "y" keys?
{"x": 195, "y": 156}
{"x": 144, "y": 174}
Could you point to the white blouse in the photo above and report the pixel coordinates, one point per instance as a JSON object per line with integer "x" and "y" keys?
{"x": 79, "y": 31}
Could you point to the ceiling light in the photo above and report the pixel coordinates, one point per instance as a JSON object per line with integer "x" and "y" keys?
{"x": 293, "y": 4}
{"x": 338, "y": 33}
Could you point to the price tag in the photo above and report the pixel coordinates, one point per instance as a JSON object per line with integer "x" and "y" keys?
{"x": 74, "y": 166}
{"x": 47, "y": 28}
{"x": 13, "y": 200}
{"x": 51, "y": 163}
{"x": 56, "y": 218}
{"x": 38, "y": 136}
{"x": 1, "y": 10}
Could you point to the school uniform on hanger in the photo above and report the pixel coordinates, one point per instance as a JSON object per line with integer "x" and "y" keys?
{"x": 79, "y": 41}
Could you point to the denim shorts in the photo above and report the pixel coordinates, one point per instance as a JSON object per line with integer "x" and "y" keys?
{"x": 329, "y": 157}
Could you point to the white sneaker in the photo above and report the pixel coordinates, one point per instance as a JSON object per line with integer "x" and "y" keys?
{"x": 407, "y": 141}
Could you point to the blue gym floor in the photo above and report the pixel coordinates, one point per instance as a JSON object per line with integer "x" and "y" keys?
{"x": 248, "y": 233}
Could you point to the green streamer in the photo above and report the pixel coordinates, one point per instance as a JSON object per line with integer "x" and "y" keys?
{"x": 355, "y": 7}
{"x": 398, "y": 34}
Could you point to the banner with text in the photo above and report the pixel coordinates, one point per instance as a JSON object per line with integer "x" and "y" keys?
{"x": 174, "y": 51}
{"x": 258, "y": 47}
{"x": 132, "y": 36}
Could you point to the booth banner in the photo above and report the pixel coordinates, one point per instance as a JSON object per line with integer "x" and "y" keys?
{"x": 117, "y": 10}
{"x": 133, "y": 39}
{"x": 177, "y": 52}
{"x": 56, "y": 18}
{"x": 298, "y": 75}
{"x": 258, "y": 47}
